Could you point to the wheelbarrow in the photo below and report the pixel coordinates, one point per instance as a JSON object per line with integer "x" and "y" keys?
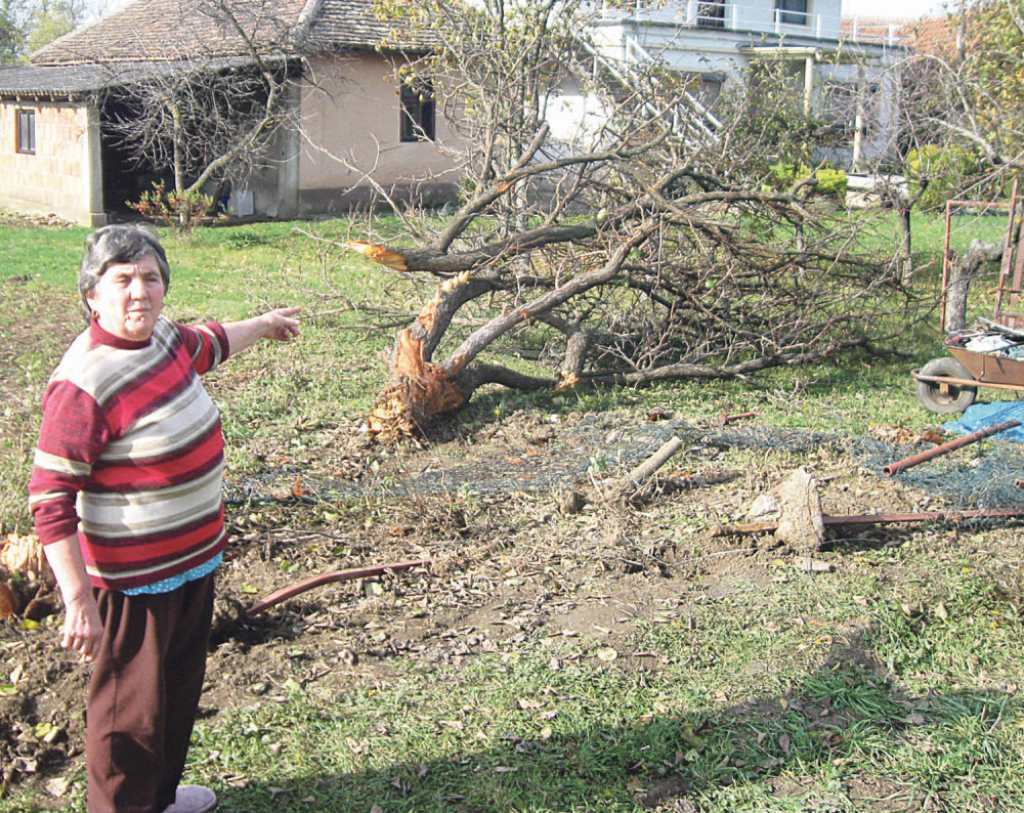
{"x": 950, "y": 384}
{"x": 992, "y": 355}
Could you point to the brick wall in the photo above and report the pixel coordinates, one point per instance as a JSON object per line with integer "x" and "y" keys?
{"x": 56, "y": 178}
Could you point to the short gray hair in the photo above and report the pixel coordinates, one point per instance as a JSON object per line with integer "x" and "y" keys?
{"x": 122, "y": 243}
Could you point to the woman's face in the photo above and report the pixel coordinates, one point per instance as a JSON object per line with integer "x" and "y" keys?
{"x": 128, "y": 298}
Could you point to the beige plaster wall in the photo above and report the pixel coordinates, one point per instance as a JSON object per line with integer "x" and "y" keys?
{"x": 57, "y": 179}
{"x": 350, "y": 111}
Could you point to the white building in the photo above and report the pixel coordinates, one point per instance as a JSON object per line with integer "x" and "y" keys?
{"x": 846, "y": 79}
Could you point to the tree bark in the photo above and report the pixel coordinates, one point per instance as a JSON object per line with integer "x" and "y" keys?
{"x": 964, "y": 270}
{"x": 906, "y": 261}
{"x": 419, "y": 389}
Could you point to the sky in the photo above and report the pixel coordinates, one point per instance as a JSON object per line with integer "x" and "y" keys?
{"x": 888, "y": 8}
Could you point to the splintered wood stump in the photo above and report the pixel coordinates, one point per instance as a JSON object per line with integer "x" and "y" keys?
{"x": 415, "y": 393}
{"x": 417, "y": 389}
{"x": 26, "y": 580}
{"x": 23, "y": 556}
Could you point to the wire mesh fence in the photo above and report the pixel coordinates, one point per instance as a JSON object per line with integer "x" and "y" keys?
{"x": 981, "y": 476}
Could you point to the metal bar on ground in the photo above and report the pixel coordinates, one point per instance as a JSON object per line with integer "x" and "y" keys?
{"x": 725, "y": 420}
{"x": 946, "y": 448}
{"x": 872, "y": 519}
{"x": 293, "y": 590}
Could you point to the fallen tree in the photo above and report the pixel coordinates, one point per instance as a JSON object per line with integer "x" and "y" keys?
{"x": 646, "y": 240}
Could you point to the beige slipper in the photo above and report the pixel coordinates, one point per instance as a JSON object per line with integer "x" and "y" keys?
{"x": 192, "y": 799}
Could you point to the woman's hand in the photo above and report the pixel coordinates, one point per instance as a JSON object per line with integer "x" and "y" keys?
{"x": 279, "y": 325}
{"x": 82, "y": 626}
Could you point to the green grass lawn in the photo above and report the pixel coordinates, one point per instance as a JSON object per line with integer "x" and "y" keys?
{"x": 892, "y": 684}
{"x": 334, "y": 372}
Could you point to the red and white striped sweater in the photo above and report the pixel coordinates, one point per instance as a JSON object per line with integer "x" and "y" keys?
{"x": 130, "y": 454}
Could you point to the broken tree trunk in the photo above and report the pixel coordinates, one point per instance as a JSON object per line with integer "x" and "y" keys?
{"x": 960, "y": 281}
{"x": 419, "y": 388}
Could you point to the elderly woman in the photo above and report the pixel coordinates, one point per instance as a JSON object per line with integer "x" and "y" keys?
{"x": 126, "y": 495}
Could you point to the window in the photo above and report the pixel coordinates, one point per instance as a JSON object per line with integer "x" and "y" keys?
{"x": 25, "y": 129}
{"x": 840, "y": 107}
{"x": 708, "y": 89}
{"x": 792, "y": 12}
{"x": 417, "y": 114}
{"x": 704, "y": 87}
{"x": 711, "y": 15}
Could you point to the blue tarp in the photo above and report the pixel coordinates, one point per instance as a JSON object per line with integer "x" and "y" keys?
{"x": 982, "y": 416}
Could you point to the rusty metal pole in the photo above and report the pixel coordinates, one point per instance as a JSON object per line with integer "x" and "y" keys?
{"x": 945, "y": 270}
{"x": 724, "y": 419}
{"x": 830, "y": 520}
{"x": 293, "y": 590}
{"x": 946, "y": 448}
{"x": 1006, "y": 266}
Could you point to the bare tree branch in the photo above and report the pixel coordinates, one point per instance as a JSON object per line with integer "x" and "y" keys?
{"x": 644, "y": 241}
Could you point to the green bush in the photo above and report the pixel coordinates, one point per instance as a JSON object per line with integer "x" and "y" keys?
{"x": 831, "y": 182}
{"x": 181, "y": 211}
{"x": 947, "y": 170}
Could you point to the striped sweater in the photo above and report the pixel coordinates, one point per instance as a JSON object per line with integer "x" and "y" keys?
{"x": 130, "y": 454}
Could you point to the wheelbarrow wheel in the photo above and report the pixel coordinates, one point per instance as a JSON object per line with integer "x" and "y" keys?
{"x": 945, "y": 398}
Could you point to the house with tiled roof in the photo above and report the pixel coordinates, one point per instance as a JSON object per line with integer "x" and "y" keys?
{"x": 936, "y": 34}
{"x": 57, "y": 155}
{"x": 354, "y": 122}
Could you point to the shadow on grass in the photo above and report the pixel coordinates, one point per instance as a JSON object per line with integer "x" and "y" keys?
{"x": 843, "y": 737}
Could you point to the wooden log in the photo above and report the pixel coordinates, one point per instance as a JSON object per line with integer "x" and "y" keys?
{"x": 628, "y": 486}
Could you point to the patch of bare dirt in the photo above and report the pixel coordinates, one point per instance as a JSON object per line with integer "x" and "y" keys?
{"x": 514, "y": 563}
{"x": 49, "y": 221}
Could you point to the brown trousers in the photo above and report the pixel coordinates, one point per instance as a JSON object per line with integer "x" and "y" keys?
{"x": 144, "y": 694}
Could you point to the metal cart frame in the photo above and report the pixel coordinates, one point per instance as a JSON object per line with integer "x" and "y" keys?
{"x": 949, "y": 385}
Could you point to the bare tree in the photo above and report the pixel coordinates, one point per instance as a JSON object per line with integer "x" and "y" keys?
{"x": 209, "y": 112}
{"x": 961, "y": 132}
{"x": 965, "y": 90}
{"x": 640, "y": 239}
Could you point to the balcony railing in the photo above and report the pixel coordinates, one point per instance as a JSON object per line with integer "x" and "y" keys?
{"x": 725, "y": 14}
{"x": 732, "y": 16}
{"x": 874, "y": 32}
